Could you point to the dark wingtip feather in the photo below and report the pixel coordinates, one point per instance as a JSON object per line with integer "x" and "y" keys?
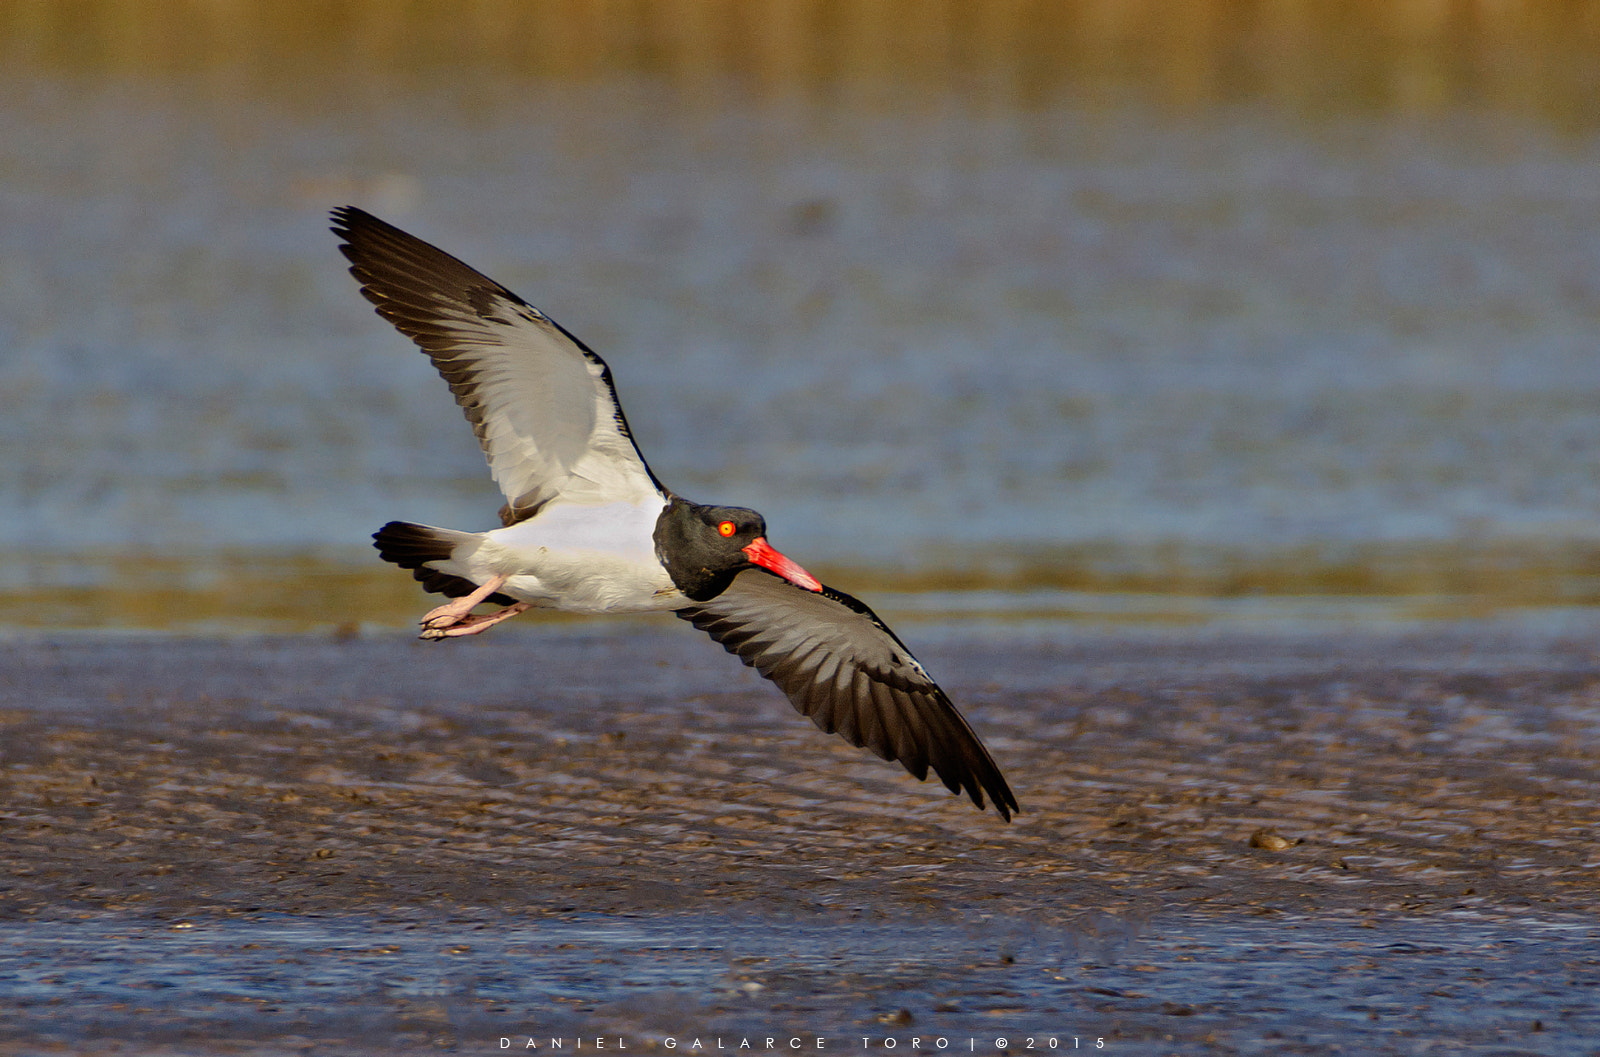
{"x": 347, "y": 218}
{"x": 914, "y": 723}
{"x": 350, "y": 223}
{"x": 1004, "y": 802}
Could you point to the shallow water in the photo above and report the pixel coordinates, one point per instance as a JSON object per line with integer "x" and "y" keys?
{"x": 1179, "y": 384}
{"x": 1173, "y": 985}
{"x": 1229, "y": 843}
{"x": 1017, "y": 315}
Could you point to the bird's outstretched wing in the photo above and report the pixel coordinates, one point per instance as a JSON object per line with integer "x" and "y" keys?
{"x": 541, "y": 402}
{"x": 843, "y": 667}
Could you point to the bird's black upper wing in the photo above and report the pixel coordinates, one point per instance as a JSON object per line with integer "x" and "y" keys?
{"x": 842, "y": 666}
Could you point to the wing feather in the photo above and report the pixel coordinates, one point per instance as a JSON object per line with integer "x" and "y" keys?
{"x": 842, "y": 667}
{"x": 540, "y": 402}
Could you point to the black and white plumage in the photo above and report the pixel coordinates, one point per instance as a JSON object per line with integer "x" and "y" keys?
{"x": 587, "y": 527}
{"x": 842, "y": 666}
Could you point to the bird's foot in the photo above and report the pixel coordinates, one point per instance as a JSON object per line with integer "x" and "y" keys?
{"x": 457, "y": 610}
{"x": 474, "y": 623}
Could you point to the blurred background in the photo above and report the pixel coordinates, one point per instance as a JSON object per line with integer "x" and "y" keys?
{"x": 1019, "y": 309}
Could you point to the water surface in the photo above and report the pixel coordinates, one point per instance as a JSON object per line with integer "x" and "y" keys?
{"x": 1208, "y": 395}
{"x": 1233, "y": 842}
{"x": 978, "y": 304}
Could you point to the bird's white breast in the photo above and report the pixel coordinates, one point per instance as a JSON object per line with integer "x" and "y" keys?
{"x": 582, "y": 558}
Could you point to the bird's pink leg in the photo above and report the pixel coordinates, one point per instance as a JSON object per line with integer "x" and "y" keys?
{"x": 453, "y": 611}
{"x": 472, "y": 623}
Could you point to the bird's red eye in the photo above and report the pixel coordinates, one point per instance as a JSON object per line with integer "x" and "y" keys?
{"x": 727, "y": 528}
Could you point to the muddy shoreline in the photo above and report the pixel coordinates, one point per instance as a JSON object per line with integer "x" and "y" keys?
{"x": 624, "y": 833}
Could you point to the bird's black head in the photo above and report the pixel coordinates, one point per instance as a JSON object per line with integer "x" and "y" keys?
{"x": 705, "y": 547}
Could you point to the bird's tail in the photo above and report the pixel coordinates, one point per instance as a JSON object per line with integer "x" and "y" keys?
{"x": 409, "y": 546}
{"x": 414, "y": 546}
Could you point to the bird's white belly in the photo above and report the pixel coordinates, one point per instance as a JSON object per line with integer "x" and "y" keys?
{"x": 583, "y": 559}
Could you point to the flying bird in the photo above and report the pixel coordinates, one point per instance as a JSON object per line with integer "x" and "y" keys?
{"x": 588, "y": 528}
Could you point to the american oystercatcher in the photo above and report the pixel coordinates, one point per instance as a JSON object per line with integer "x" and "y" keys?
{"x": 588, "y": 528}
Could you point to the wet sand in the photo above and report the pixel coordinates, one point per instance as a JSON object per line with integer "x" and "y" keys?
{"x": 1231, "y": 843}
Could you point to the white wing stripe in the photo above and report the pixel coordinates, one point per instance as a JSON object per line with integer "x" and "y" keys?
{"x": 540, "y": 403}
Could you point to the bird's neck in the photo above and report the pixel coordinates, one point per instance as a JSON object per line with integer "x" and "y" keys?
{"x": 681, "y": 546}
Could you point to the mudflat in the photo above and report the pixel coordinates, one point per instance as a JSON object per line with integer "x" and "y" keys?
{"x": 1230, "y": 842}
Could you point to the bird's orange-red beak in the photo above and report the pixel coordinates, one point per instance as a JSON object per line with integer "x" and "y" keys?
{"x": 762, "y": 553}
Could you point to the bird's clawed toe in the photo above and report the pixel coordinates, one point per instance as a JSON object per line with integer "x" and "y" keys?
{"x": 435, "y": 629}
